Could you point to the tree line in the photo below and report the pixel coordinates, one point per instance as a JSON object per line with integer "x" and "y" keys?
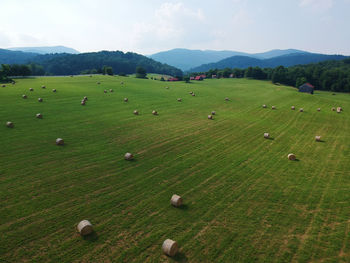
{"x": 327, "y": 75}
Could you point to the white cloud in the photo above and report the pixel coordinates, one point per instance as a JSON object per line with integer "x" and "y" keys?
{"x": 318, "y": 6}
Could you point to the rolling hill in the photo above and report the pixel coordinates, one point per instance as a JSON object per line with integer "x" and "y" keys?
{"x": 46, "y": 50}
{"x": 15, "y": 57}
{"x": 285, "y": 60}
{"x": 244, "y": 201}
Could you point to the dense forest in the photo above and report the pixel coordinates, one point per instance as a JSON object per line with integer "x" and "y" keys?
{"x": 86, "y": 63}
{"x": 327, "y": 75}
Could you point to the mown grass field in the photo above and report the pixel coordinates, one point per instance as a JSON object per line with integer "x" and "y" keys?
{"x": 244, "y": 200}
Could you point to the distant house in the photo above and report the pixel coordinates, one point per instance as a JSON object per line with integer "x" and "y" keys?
{"x": 307, "y": 87}
{"x": 191, "y": 78}
{"x": 203, "y": 76}
{"x": 173, "y": 79}
{"x": 198, "y": 78}
{"x": 213, "y": 76}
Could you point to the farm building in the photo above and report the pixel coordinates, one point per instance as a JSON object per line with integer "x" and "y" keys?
{"x": 198, "y": 78}
{"x": 191, "y": 78}
{"x": 307, "y": 87}
{"x": 173, "y": 79}
{"x": 213, "y": 76}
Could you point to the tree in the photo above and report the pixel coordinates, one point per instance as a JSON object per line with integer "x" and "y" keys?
{"x": 140, "y": 72}
{"x": 300, "y": 81}
{"x": 107, "y": 70}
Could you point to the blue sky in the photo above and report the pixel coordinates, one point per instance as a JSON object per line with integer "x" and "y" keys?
{"x": 150, "y": 26}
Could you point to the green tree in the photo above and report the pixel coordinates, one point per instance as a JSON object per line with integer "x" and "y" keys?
{"x": 140, "y": 72}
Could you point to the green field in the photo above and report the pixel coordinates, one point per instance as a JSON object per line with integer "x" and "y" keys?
{"x": 244, "y": 201}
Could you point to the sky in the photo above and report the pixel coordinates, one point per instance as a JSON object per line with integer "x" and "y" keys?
{"x": 147, "y": 27}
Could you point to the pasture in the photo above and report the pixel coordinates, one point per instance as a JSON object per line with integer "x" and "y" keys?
{"x": 243, "y": 200}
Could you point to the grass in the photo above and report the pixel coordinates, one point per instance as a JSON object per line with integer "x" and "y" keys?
{"x": 244, "y": 201}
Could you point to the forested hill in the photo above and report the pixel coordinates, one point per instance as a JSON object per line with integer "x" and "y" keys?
{"x": 71, "y": 64}
{"x": 285, "y": 60}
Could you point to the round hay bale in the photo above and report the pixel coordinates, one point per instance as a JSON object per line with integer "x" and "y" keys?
{"x": 85, "y": 98}
{"x": 227, "y": 99}
{"x": 210, "y": 117}
{"x": 333, "y": 109}
{"x": 43, "y": 87}
{"x": 292, "y": 108}
{"x": 40, "y": 99}
{"x": 318, "y": 138}
{"x": 193, "y": 94}
{"x": 179, "y": 99}
{"x": 128, "y": 156}
{"x": 273, "y": 107}
{"x": 110, "y": 90}
{"x": 105, "y": 91}
{"x": 24, "y": 96}
{"x": 39, "y": 115}
{"x": 291, "y": 157}
{"x": 31, "y": 89}
{"x": 84, "y": 227}
{"x": 54, "y": 90}
{"x": 154, "y": 112}
{"x": 339, "y": 109}
{"x": 82, "y": 102}
{"x": 318, "y": 109}
{"x": 176, "y": 200}
{"x": 126, "y": 99}
{"x": 264, "y": 106}
{"x": 301, "y": 110}
{"x": 10, "y": 124}
{"x": 59, "y": 141}
{"x": 266, "y": 135}
{"x": 170, "y": 247}
{"x": 136, "y": 112}
{"x": 213, "y": 113}
{"x": 167, "y": 87}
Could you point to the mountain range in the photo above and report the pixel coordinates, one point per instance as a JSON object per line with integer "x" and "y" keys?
{"x": 46, "y": 50}
{"x": 185, "y": 59}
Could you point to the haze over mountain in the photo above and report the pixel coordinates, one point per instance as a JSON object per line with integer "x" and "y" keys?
{"x": 186, "y": 59}
{"x": 284, "y": 60}
{"x": 46, "y": 50}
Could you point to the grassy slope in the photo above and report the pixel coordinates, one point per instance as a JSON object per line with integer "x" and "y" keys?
{"x": 244, "y": 201}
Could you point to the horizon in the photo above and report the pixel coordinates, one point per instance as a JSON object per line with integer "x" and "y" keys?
{"x": 158, "y": 26}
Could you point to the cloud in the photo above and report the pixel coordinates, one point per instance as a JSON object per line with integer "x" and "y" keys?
{"x": 319, "y": 6}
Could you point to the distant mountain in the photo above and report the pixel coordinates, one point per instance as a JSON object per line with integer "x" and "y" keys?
{"x": 298, "y": 58}
{"x": 15, "y": 57}
{"x": 46, "y": 50}
{"x": 186, "y": 59}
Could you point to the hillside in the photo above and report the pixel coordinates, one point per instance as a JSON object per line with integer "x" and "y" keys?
{"x": 244, "y": 201}
{"x": 285, "y": 60}
{"x": 15, "y": 57}
{"x": 186, "y": 59}
{"x": 46, "y": 50}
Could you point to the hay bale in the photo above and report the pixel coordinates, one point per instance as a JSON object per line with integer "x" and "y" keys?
{"x": 266, "y": 135}
{"x": 193, "y": 94}
{"x": 85, "y": 98}
{"x": 210, "y": 117}
{"x": 59, "y": 141}
{"x": 213, "y": 113}
{"x": 136, "y": 112}
{"x": 110, "y": 90}
{"x": 39, "y": 115}
{"x": 40, "y": 99}
{"x": 227, "y": 99}
{"x": 176, "y": 200}
{"x": 301, "y": 110}
{"x": 84, "y": 228}
{"x": 292, "y": 108}
{"x": 318, "y": 138}
{"x": 339, "y": 109}
{"x": 167, "y": 87}
{"x": 43, "y": 87}
{"x": 273, "y": 107}
{"x": 24, "y": 96}
{"x": 128, "y": 156}
{"x": 82, "y": 102}
{"x": 318, "y": 109}
{"x": 10, "y": 124}
{"x": 264, "y": 106}
{"x": 179, "y": 99}
{"x": 31, "y": 89}
{"x": 170, "y": 247}
{"x": 53, "y": 90}
{"x": 333, "y": 109}
{"x": 291, "y": 157}
{"x": 105, "y": 91}
{"x": 154, "y": 112}
{"x": 126, "y": 99}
